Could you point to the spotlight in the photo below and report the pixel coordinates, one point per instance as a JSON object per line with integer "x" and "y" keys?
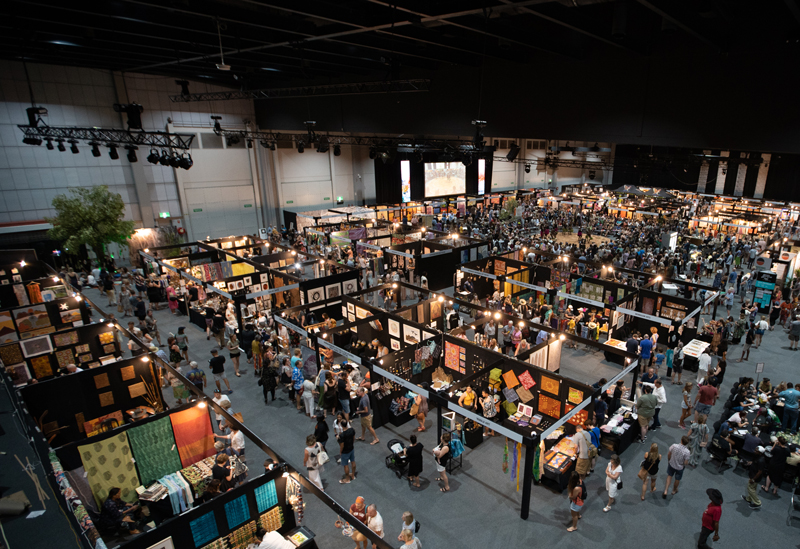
{"x": 323, "y": 145}
{"x": 184, "y": 84}
{"x": 249, "y": 143}
{"x": 527, "y": 168}
{"x": 201, "y": 404}
{"x": 272, "y": 146}
{"x": 31, "y": 140}
{"x": 186, "y": 161}
{"x": 73, "y": 146}
{"x": 301, "y": 147}
{"x": 467, "y": 159}
{"x": 175, "y": 160}
{"x": 50, "y": 146}
{"x": 134, "y": 112}
{"x": 95, "y": 149}
{"x": 337, "y": 150}
{"x": 131, "y": 153}
{"x": 60, "y": 145}
{"x": 145, "y": 359}
{"x": 112, "y": 152}
{"x": 217, "y": 127}
{"x": 153, "y": 156}
{"x": 232, "y": 140}
{"x": 164, "y": 159}
{"x": 264, "y": 143}
{"x": 418, "y": 156}
{"x": 497, "y": 316}
{"x": 373, "y": 153}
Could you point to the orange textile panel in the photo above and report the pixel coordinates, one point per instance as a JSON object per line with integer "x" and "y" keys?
{"x": 194, "y": 435}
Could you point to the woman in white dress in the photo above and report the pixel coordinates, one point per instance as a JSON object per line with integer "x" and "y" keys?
{"x": 613, "y": 472}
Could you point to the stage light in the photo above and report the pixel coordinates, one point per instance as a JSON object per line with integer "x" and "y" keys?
{"x": 186, "y": 161}
{"x": 184, "y": 84}
{"x": 164, "y": 159}
{"x": 95, "y": 149}
{"x": 301, "y": 147}
{"x": 418, "y": 156}
{"x": 513, "y": 152}
{"x": 337, "y": 150}
{"x": 112, "y": 152}
{"x": 175, "y": 160}
{"x": 60, "y": 145}
{"x": 50, "y": 146}
{"x": 132, "y": 153}
{"x": 153, "y": 156}
{"x": 467, "y": 159}
{"x": 31, "y": 140}
{"x": 249, "y": 143}
{"x": 527, "y": 168}
{"x": 373, "y": 153}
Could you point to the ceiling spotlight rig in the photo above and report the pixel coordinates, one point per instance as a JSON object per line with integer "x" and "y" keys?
{"x": 37, "y": 132}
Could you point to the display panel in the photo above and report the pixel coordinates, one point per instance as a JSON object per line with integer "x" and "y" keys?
{"x": 481, "y": 176}
{"x": 445, "y": 178}
{"x": 405, "y": 180}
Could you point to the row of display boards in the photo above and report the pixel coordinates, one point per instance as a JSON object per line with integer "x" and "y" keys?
{"x": 108, "y": 426}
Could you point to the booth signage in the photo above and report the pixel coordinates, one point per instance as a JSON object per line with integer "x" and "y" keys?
{"x": 526, "y": 285}
{"x": 312, "y": 231}
{"x": 441, "y": 252}
{"x": 480, "y": 420}
{"x": 400, "y": 381}
{"x": 651, "y": 318}
{"x": 349, "y": 356}
{"x": 759, "y": 367}
{"x": 272, "y": 291}
{"x": 395, "y": 252}
{"x": 281, "y": 320}
{"x": 581, "y": 299}
{"x": 370, "y": 246}
{"x": 478, "y": 273}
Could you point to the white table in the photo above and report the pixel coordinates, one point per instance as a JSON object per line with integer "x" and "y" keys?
{"x": 695, "y": 348}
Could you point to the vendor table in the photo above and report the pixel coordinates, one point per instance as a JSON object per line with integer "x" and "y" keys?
{"x": 198, "y": 318}
{"x": 692, "y": 352}
{"x": 613, "y": 357}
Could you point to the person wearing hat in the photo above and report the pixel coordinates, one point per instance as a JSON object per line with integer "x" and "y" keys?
{"x": 711, "y": 517}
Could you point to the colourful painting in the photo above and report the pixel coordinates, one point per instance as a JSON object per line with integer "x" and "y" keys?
{"x": 579, "y": 418}
{"x": 527, "y": 380}
{"x": 18, "y": 374}
{"x": 106, "y": 337}
{"x": 68, "y": 317}
{"x": 86, "y": 358}
{"x": 31, "y": 318}
{"x": 65, "y": 358}
{"x": 436, "y": 310}
{"x": 66, "y": 338}
{"x": 575, "y": 396}
{"x": 82, "y": 348}
{"x": 549, "y": 406}
{"x": 550, "y": 385}
{"x": 110, "y": 348}
{"x": 11, "y": 354}
{"x": 451, "y": 353}
{"x": 8, "y": 333}
{"x": 103, "y": 423}
{"x": 41, "y": 366}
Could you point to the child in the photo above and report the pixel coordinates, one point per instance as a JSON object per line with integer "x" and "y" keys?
{"x": 660, "y": 357}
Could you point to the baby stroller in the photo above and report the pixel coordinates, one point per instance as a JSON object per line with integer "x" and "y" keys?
{"x": 396, "y": 462}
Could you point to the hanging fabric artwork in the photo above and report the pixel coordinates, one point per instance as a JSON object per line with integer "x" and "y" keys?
{"x": 109, "y": 464}
{"x": 35, "y": 292}
{"x": 518, "y": 459}
{"x": 505, "y": 458}
{"x": 22, "y": 297}
{"x": 194, "y": 435}
{"x": 514, "y": 471}
{"x": 154, "y": 449}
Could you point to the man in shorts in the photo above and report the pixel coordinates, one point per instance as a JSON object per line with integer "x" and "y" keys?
{"x": 365, "y": 413}
{"x": 677, "y": 458}
{"x": 217, "y": 364}
{"x": 705, "y": 399}
{"x": 347, "y": 438}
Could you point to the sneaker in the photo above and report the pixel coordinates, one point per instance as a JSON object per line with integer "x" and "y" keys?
{"x": 745, "y": 498}
{"x": 752, "y": 506}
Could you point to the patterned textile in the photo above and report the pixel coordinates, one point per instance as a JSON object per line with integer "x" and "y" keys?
{"x": 11, "y": 354}
{"x": 227, "y": 270}
{"x": 194, "y": 436}
{"x": 108, "y": 464}
{"x": 75, "y": 504}
{"x": 154, "y": 449}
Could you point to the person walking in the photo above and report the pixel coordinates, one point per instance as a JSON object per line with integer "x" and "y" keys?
{"x": 576, "y": 499}
{"x": 749, "y": 339}
{"x": 183, "y": 342}
{"x": 703, "y": 362}
{"x": 686, "y": 404}
{"x": 375, "y": 521}
{"x": 711, "y": 517}
{"x": 754, "y": 474}
{"x": 698, "y": 439}
{"x": 677, "y": 364}
{"x": 197, "y": 376}
{"x": 613, "y": 480}
{"x": 794, "y": 333}
{"x": 217, "y": 364}
{"x": 677, "y": 458}
{"x": 761, "y": 328}
{"x": 705, "y": 399}
{"x": 649, "y": 469}
{"x": 422, "y": 411}
{"x": 235, "y": 352}
{"x": 364, "y": 412}
{"x": 410, "y": 541}
{"x": 311, "y": 461}
{"x": 347, "y": 440}
{"x": 268, "y": 379}
{"x": 321, "y": 429}
{"x": 442, "y": 455}
{"x": 646, "y": 409}
{"x": 309, "y": 398}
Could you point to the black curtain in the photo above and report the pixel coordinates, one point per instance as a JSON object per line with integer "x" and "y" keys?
{"x": 751, "y": 178}
{"x": 783, "y": 178}
{"x": 387, "y": 182}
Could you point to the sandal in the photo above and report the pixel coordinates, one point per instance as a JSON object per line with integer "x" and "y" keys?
{"x": 360, "y": 438}
{"x": 571, "y": 529}
{"x": 376, "y": 441}
{"x": 438, "y": 479}
{"x": 444, "y": 489}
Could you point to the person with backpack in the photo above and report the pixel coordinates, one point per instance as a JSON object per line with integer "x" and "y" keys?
{"x": 583, "y": 440}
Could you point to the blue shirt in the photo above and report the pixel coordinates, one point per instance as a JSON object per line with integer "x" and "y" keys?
{"x": 790, "y": 397}
{"x": 297, "y": 378}
{"x": 646, "y": 346}
{"x": 660, "y": 358}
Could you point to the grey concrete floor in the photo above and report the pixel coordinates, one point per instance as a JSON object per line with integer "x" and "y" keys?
{"x": 482, "y": 509}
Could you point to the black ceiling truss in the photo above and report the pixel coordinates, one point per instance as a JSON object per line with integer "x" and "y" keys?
{"x": 179, "y": 141}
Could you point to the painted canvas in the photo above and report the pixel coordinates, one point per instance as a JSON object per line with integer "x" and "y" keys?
{"x": 66, "y": 338}
{"x": 67, "y": 317}
{"x": 549, "y": 406}
{"x": 37, "y": 346}
{"x": 436, "y": 310}
{"x": 410, "y": 334}
{"x": 18, "y": 374}
{"x": 106, "y": 337}
{"x": 65, "y": 358}
{"x": 41, "y": 366}
{"x": 11, "y": 354}
{"x": 8, "y": 333}
{"x": 31, "y": 318}
{"x": 550, "y": 385}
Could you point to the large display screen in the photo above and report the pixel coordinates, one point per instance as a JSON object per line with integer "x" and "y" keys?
{"x": 445, "y": 178}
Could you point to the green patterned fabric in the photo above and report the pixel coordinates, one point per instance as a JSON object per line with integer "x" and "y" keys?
{"x": 109, "y": 464}
{"x": 154, "y": 449}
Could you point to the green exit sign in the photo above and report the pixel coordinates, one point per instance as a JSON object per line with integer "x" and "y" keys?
{"x": 339, "y": 198}
{"x": 248, "y": 205}
{"x": 163, "y": 214}
{"x": 290, "y": 201}
{"x": 197, "y": 210}
{"x": 327, "y": 198}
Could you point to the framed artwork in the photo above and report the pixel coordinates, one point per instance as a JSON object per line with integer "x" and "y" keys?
{"x": 410, "y": 334}
{"x": 240, "y": 285}
{"x": 344, "y": 311}
{"x": 351, "y": 317}
{"x": 66, "y": 338}
{"x": 394, "y": 328}
{"x": 231, "y": 286}
{"x": 11, "y": 354}
{"x": 68, "y": 317}
{"x": 36, "y": 346}
{"x": 264, "y": 277}
{"x": 164, "y": 544}
{"x": 31, "y": 318}
{"x": 549, "y": 406}
{"x": 255, "y": 288}
{"x": 575, "y": 396}
{"x": 106, "y": 337}
{"x": 8, "y": 333}
{"x": 405, "y": 313}
{"x": 41, "y": 366}
{"x": 93, "y": 364}
{"x": 647, "y": 305}
{"x": 395, "y": 344}
{"x": 421, "y": 313}
{"x": 316, "y": 295}
{"x": 65, "y": 358}
{"x": 436, "y": 309}
{"x": 350, "y": 286}
{"x": 248, "y": 281}
{"x": 361, "y": 313}
{"x": 18, "y": 374}
{"x": 451, "y": 354}
{"x": 39, "y": 332}
{"x": 579, "y": 418}
{"x": 16, "y": 278}
{"x": 110, "y": 348}
{"x": 101, "y": 381}
{"x": 551, "y": 385}
{"x": 351, "y": 308}
{"x": 333, "y": 290}
{"x": 85, "y": 358}
{"x": 426, "y": 335}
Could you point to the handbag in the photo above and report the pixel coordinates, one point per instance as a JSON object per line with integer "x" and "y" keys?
{"x": 237, "y": 467}
{"x": 619, "y": 484}
{"x": 414, "y": 409}
{"x": 322, "y": 456}
{"x": 642, "y": 474}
